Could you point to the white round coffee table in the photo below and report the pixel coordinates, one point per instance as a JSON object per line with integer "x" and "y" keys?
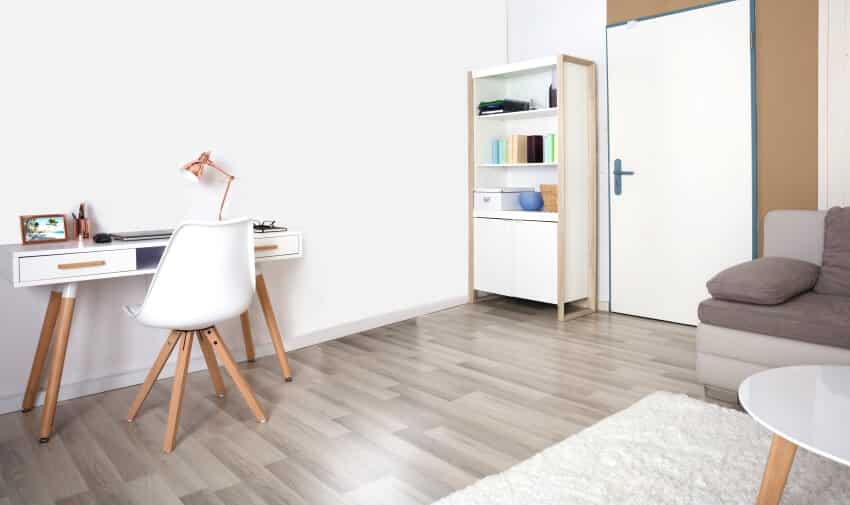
{"x": 804, "y": 406}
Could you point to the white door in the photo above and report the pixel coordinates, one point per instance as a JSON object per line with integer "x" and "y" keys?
{"x": 681, "y": 132}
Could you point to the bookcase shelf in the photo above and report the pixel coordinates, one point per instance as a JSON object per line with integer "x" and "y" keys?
{"x": 518, "y": 165}
{"x": 523, "y": 114}
{"x": 517, "y": 215}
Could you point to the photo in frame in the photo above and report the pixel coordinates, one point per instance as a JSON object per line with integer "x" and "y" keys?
{"x": 43, "y": 228}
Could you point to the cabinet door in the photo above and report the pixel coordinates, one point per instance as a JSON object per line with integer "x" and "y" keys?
{"x": 536, "y": 261}
{"x": 494, "y": 256}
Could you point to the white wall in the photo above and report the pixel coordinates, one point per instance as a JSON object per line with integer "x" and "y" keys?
{"x": 576, "y": 27}
{"x": 345, "y": 118}
{"x": 834, "y": 104}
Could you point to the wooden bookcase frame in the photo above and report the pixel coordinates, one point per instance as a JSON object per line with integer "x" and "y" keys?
{"x": 589, "y": 304}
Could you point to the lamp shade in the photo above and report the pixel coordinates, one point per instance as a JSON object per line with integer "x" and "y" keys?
{"x": 190, "y": 174}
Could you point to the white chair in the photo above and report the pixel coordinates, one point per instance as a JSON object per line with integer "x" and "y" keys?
{"x": 205, "y": 276}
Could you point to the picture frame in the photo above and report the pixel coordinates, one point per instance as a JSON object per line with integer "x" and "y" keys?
{"x": 43, "y": 228}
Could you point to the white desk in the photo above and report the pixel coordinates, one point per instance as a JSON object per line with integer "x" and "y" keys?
{"x": 66, "y": 265}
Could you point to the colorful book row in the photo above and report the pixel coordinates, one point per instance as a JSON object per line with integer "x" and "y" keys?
{"x": 525, "y": 149}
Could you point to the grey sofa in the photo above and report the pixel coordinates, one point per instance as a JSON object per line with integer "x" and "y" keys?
{"x": 736, "y": 340}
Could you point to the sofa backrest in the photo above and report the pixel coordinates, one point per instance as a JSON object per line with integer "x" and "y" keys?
{"x": 794, "y": 234}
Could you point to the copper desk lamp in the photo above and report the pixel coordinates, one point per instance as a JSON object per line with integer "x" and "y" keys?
{"x": 195, "y": 170}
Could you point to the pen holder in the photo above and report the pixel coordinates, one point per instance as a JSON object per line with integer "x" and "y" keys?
{"x": 83, "y": 228}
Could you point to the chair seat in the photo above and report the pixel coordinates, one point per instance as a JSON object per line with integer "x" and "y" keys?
{"x": 181, "y": 321}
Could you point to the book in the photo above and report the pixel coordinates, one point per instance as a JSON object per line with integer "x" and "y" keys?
{"x": 522, "y": 149}
{"x": 503, "y": 151}
{"x": 502, "y": 106}
{"x": 518, "y": 149}
{"x": 550, "y": 151}
{"x": 535, "y": 148}
{"x": 554, "y": 148}
{"x": 494, "y": 151}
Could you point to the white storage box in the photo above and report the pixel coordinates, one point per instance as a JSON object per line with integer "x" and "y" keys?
{"x": 498, "y": 198}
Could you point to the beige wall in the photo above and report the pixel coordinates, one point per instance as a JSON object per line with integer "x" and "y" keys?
{"x": 786, "y": 95}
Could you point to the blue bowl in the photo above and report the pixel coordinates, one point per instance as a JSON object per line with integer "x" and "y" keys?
{"x": 530, "y": 200}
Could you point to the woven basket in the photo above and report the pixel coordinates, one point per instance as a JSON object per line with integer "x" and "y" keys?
{"x": 550, "y": 197}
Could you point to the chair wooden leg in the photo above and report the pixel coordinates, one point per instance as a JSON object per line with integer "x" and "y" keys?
{"x": 177, "y": 392}
{"x": 153, "y": 374}
{"x": 47, "y": 327}
{"x": 213, "y": 337}
{"x": 212, "y": 366}
{"x": 57, "y": 362}
{"x": 274, "y": 331}
{"x": 246, "y": 334}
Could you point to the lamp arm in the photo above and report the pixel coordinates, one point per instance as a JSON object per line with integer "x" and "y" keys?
{"x": 230, "y": 178}
{"x": 224, "y": 197}
{"x": 220, "y": 170}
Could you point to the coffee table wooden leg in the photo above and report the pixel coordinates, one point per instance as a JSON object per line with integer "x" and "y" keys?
{"x": 274, "y": 331}
{"x": 40, "y": 357}
{"x": 246, "y": 334}
{"x": 57, "y": 361}
{"x": 779, "y": 462}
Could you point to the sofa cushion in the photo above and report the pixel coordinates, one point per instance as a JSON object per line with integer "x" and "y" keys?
{"x": 810, "y": 317}
{"x": 834, "y": 276}
{"x": 764, "y": 281}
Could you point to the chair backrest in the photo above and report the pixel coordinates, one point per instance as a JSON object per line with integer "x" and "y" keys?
{"x": 795, "y": 234}
{"x": 206, "y": 275}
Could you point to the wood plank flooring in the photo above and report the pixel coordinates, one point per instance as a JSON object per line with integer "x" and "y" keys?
{"x": 403, "y": 414}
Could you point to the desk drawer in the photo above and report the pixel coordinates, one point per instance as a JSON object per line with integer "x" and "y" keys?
{"x": 58, "y": 266}
{"x": 276, "y": 246}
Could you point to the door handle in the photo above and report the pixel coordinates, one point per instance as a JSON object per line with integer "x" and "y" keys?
{"x": 618, "y": 176}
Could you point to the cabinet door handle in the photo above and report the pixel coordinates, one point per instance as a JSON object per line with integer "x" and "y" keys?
{"x": 81, "y": 264}
{"x": 269, "y": 247}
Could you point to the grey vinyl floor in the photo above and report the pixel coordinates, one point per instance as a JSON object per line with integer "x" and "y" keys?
{"x": 403, "y": 414}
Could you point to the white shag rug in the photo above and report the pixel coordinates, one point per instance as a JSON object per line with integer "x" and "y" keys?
{"x": 665, "y": 449}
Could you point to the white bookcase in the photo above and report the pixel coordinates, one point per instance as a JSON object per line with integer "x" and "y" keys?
{"x": 544, "y": 256}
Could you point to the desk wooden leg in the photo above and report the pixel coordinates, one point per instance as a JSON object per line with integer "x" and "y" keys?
{"x": 779, "y": 462}
{"x": 57, "y": 361}
{"x": 274, "y": 332}
{"x": 40, "y": 356}
{"x": 246, "y": 334}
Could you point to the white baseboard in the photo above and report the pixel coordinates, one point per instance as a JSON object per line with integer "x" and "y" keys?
{"x": 342, "y": 330}
{"x": 603, "y": 306}
{"x": 12, "y": 403}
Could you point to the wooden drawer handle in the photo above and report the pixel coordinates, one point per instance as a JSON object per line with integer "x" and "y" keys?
{"x": 82, "y": 264}
{"x": 270, "y": 247}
